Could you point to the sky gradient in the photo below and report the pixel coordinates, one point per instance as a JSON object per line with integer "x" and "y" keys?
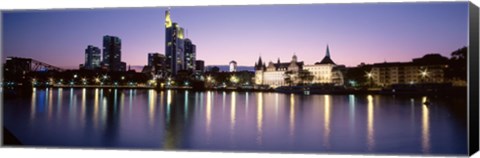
{"x": 355, "y": 33}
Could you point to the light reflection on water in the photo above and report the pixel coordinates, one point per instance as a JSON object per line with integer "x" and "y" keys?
{"x": 370, "y": 128}
{"x": 174, "y": 119}
{"x": 425, "y": 127}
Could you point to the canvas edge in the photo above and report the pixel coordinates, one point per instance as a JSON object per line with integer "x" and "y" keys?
{"x": 473, "y": 79}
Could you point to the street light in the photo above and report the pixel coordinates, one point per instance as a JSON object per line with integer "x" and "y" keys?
{"x": 369, "y": 76}
{"x": 424, "y": 73}
{"x": 234, "y": 79}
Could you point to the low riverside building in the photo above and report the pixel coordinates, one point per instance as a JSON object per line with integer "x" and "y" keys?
{"x": 274, "y": 74}
{"x": 322, "y": 71}
{"x": 429, "y": 69}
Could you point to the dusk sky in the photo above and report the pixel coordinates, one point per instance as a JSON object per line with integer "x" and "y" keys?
{"x": 369, "y": 33}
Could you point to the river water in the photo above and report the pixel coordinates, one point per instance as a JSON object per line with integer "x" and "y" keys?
{"x": 238, "y": 121}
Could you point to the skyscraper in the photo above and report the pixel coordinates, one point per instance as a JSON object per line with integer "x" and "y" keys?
{"x": 157, "y": 62}
{"x": 92, "y": 57}
{"x": 112, "y": 54}
{"x": 190, "y": 54}
{"x": 174, "y": 45}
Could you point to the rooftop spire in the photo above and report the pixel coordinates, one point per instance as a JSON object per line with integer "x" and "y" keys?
{"x": 326, "y": 59}
{"x": 260, "y": 60}
{"x": 328, "y": 52}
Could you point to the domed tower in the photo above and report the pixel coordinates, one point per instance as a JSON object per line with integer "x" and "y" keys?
{"x": 233, "y": 66}
{"x": 294, "y": 58}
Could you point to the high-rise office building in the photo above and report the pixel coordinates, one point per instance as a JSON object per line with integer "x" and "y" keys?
{"x": 180, "y": 52}
{"x": 157, "y": 62}
{"x": 92, "y": 57}
{"x": 190, "y": 54}
{"x": 112, "y": 54}
{"x": 174, "y": 45}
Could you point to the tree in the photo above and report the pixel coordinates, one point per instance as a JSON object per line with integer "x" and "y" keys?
{"x": 305, "y": 76}
{"x": 458, "y": 64}
{"x": 356, "y": 76}
{"x": 287, "y": 76}
{"x": 215, "y": 69}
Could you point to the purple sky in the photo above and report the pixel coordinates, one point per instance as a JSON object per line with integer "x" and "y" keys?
{"x": 355, "y": 32}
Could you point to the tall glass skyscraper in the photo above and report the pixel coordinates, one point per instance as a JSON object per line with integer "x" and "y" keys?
{"x": 112, "y": 53}
{"x": 180, "y": 52}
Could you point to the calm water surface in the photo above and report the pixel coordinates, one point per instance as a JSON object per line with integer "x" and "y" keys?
{"x": 238, "y": 121}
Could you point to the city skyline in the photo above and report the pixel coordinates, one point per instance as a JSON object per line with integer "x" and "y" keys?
{"x": 436, "y": 28}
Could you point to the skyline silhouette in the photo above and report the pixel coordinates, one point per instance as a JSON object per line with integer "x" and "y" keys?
{"x": 356, "y": 33}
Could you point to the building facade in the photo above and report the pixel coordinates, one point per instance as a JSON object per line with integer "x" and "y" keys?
{"x": 190, "y": 54}
{"x": 274, "y": 74}
{"x": 232, "y": 66}
{"x": 112, "y": 54}
{"x": 283, "y": 74}
{"x": 429, "y": 69}
{"x": 92, "y": 57}
{"x": 157, "y": 63}
{"x": 322, "y": 71}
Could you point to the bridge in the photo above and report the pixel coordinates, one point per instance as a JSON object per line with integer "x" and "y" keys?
{"x": 25, "y": 65}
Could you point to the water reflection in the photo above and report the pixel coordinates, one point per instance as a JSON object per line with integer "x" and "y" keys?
{"x": 370, "y": 128}
{"x": 209, "y": 115}
{"x": 179, "y": 119}
{"x": 326, "y": 135}
{"x": 246, "y": 104}
{"x": 351, "y": 100}
{"x": 50, "y": 104}
{"x": 84, "y": 103}
{"x": 292, "y": 116}
{"x": 95, "y": 108}
{"x": 233, "y": 102}
{"x": 33, "y": 103}
{"x": 276, "y": 107}
{"x": 425, "y": 127}
{"x": 151, "y": 106}
{"x": 186, "y": 104}
{"x": 59, "y": 101}
{"x": 72, "y": 108}
{"x": 169, "y": 104}
{"x": 259, "y": 118}
{"x": 122, "y": 100}
{"x": 130, "y": 101}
